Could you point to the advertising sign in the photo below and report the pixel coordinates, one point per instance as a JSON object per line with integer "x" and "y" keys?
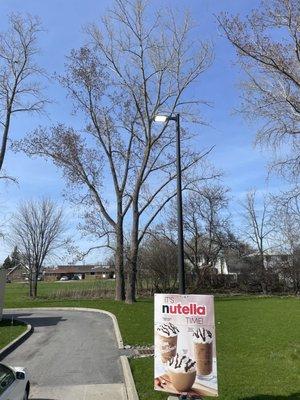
{"x": 185, "y": 345}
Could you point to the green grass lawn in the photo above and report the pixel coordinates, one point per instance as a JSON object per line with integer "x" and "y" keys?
{"x": 9, "y": 330}
{"x": 257, "y": 343}
{"x": 52, "y": 290}
{"x": 129, "y": 316}
{"x": 258, "y": 351}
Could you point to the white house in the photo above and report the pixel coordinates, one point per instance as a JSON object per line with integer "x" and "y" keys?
{"x": 220, "y": 265}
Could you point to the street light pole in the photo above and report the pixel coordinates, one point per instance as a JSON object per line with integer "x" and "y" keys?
{"x": 181, "y": 274}
{"x": 180, "y": 248}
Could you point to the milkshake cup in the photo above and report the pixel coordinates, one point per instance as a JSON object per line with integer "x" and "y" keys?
{"x": 203, "y": 352}
{"x": 182, "y": 372}
{"x": 166, "y": 335}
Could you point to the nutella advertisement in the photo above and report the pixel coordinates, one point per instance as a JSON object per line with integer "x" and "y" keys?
{"x": 185, "y": 345}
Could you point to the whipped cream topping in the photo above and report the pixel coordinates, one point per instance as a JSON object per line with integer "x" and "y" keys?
{"x": 182, "y": 364}
{"x": 202, "y": 335}
{"x": 167, "y": 330}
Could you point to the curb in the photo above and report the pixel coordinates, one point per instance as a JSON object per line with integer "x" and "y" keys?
{"x": 129, "y": 382}
{"x": 16, "y": 342}
{"x": 113, "y": 317}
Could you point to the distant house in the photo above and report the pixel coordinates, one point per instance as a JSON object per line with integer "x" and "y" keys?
{"x": 93, "y": 271}
{"x": 18, "y": 273}
{"x": 219, "y": 267}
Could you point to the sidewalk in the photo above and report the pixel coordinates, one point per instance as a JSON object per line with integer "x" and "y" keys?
{"x": 114, "y": 391}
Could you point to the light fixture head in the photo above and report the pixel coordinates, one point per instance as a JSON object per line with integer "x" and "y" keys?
{"x": 160, "y": 118}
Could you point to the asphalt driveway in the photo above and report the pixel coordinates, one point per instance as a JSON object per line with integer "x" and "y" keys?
{"x": 70, "y": 355}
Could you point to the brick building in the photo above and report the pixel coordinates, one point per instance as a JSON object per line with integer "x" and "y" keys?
{"x": 83, "y": 271}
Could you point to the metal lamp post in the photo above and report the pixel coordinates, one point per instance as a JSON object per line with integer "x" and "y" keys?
{"x": 181, "y": 272}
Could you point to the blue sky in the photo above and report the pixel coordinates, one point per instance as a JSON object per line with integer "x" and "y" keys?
{"x": 244, "y": 166}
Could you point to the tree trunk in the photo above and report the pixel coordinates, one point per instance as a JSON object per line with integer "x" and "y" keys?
{"x": 119, "y": 263}
{"x": 34, "y": 289}
{"x": 296, "y": 280}
{"x": 132, "y": 262}
{"x": 5, "y": 137}
{"x": 30, "y": 285}
{"x": 131, "y": 276}
{"x": 35, "y": 282}
{"x": 263, "y": 282}
{"x": 263, "y": 288}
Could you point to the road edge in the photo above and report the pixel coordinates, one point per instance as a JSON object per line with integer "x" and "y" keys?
{"x": 16, "y": 342}
{"x": 129, "y": 381}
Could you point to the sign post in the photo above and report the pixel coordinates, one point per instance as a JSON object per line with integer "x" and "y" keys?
{"x": 185, "y": 345}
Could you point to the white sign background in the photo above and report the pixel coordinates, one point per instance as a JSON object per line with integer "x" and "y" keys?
{"x": 189, "y": 316}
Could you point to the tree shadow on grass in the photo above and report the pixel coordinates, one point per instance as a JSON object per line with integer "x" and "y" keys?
{"x": 293, "y": 396}
{"x": 34, "y": 321}
{"x": 7, "y": 322}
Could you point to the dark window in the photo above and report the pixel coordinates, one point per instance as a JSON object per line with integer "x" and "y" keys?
{"x": 7, "y": 377}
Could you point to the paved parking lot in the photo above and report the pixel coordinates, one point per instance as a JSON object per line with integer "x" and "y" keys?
{"x": 71, "y": 355}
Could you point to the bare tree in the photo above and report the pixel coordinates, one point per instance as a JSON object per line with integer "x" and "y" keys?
{"x": 38, "y": 231}
{"x": 157, "y": 270}
{"x": 206, "y": 224}
{"x": 134, "y": 68}
{"x": 206, "y": 227}
{"x": 257, "y": 230}
{"x": 18, "y": 91}
{"x": 268, "y": 47}
{"x": 286, "y": 221}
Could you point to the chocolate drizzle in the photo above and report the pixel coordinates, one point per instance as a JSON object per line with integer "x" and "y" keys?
{"x": 168, "y": 329}
{"x": 203, "y": 333}
{"x": 177, "y": 361}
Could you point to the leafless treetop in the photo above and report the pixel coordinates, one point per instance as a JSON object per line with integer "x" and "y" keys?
{"x": 19, "y": 91}
{"x": 268, "y": 46}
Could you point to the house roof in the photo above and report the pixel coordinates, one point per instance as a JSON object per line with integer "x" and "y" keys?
{"x": 11, "y": 270}
{"x": 77, "y": 269}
